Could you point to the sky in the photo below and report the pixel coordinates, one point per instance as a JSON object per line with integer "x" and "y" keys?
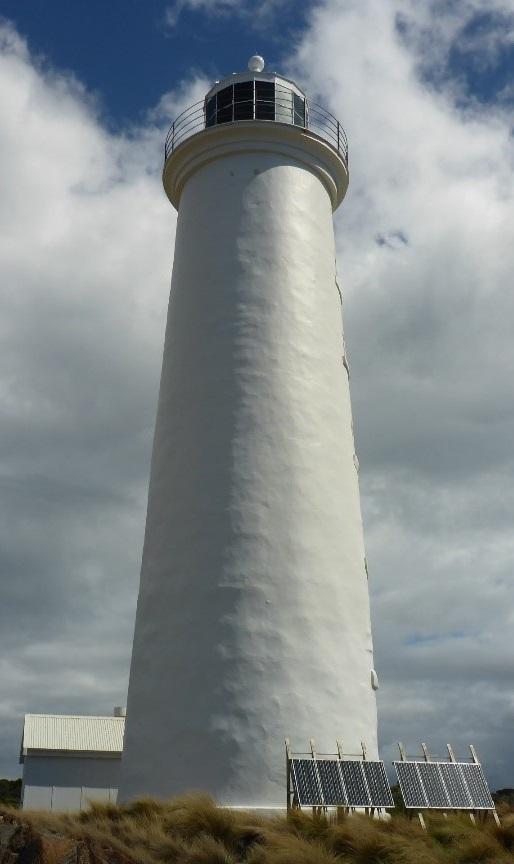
{"x": 426, "y": 262}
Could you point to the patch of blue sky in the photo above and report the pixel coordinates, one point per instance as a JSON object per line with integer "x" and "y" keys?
{"x": 473, "y": 56}
{"x": 392, "y": 239}
{"x": 129, "y": 53}
{"x": 483, "y": 57}
{"x": 425, "y": 638}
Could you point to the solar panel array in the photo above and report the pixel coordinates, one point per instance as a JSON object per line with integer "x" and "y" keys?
{"x": 340, "y": 783}
{"x": 444, "y": 786}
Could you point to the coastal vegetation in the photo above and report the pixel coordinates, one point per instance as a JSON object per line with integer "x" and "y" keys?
{"x": 192, "y": 830}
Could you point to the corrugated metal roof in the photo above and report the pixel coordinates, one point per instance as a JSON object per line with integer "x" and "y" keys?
{"x": 63, "y": 732}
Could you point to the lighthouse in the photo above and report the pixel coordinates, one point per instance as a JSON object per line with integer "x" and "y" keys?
{"x": 253, "y": 618}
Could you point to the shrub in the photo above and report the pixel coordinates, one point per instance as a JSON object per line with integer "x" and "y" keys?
{"x": 193, "y": 830}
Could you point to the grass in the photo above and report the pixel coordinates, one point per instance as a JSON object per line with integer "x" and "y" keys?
{"x": 192, "y": 830}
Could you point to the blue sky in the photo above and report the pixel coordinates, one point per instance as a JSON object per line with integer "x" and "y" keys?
{"x": 486, "y": 75}
{"x": 128, "y": 52}
{"x": 426, "y": 264}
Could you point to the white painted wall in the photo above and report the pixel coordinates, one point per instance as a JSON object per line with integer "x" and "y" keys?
{"x": 253, "y": 615}
{"x": 61, "y": 782}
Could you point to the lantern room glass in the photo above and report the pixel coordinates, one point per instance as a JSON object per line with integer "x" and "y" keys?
{"x": 255, "y": 100}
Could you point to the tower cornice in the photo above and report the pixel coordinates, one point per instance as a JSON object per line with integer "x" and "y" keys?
{"x": 301, "y": 145}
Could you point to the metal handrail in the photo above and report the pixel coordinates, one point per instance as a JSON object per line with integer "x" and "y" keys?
{"x": 194, "y": 118}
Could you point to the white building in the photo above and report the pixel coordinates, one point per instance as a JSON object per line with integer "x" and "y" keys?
{"x": 69, "y": 761}
{"x": 253, "y": 619}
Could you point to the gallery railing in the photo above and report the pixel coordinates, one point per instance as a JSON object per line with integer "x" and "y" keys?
{"x": 285, "y": 106}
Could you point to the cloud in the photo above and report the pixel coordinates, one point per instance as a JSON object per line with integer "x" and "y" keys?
{"x": 426, "y": 263}
{"x": 86, "y": 248}
{"x": 257, "y": 15}
{"x": 212, "y": 7}
{"x": 426, "y": 260}
{"x": 456, "y": 45}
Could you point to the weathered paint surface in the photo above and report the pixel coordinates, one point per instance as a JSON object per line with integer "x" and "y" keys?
{"x": 253, "y": 615}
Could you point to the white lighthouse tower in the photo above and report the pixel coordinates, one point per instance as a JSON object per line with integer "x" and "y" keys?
{"x": 253, "y": 618}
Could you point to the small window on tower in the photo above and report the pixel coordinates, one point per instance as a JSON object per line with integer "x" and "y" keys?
{"x": 225, "y": 110}
{"x": 264, "y": 100}
{"x": 298, "y": 110}
{"x": 210, "y": 111}
{"x": 243, "y": 101}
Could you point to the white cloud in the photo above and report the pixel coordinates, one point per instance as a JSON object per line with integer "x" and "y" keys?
{"x": 479, "y": 31}
{"x": 432, "y": 359}
{"x": 213, "y": 7}
{"x": 257, "y": 14}
{"x": 426, "y": 261}
{"x": 86, "y": 249}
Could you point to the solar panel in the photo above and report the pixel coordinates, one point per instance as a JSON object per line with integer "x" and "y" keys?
{"x": 452, "y": 785}
{"x": 334, "y": 793}
{"x": 355, "y": 784}
{"x": 378, "y": 784}
{"x": 477, "y": 786}
{"x": 306, "y": 783}
{"x": 458, "y": 795}
{"x": 411, "y": 786}
{"x": 433, "y": 785}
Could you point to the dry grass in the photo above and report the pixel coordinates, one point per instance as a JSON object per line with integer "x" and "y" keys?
{"x": 192, "y": 830}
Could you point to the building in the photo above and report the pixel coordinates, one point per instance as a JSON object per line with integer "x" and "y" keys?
{"x": 69, "y": 761}
{"x": 253, "y": 618}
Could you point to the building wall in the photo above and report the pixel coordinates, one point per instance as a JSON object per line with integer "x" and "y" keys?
{"x": 58, "y": 782}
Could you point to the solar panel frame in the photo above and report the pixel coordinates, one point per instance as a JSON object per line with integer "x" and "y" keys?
{"x": 306, "y": 783}
{"x": 332, "y": 785}
{"x": 478, "y": 787}
{"x": 408, "y": 777}
{"x": 355, "y": 783}
{"x": 378, "y": 784}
